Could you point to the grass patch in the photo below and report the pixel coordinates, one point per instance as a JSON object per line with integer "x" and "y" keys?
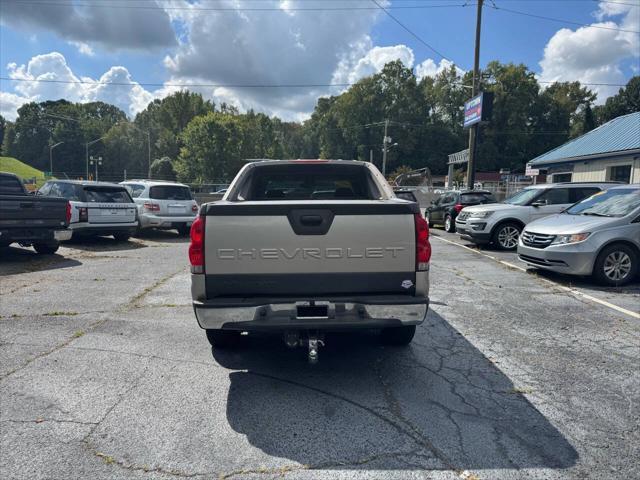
{"x": 24, "y": 171}
{"x": 78, "y": 334}
{"x": 521, "y": 390}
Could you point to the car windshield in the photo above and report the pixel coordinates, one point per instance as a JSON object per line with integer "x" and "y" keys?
{"x": 617, "y": 202}
{"x": 523, "y": 197}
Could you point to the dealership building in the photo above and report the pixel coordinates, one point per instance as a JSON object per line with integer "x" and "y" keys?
{"x": 610, "y": 152}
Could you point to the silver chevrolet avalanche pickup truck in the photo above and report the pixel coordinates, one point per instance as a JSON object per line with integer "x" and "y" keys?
{"x": 309, "y": 246}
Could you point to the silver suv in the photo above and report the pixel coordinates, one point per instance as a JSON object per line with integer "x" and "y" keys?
{"x": 163, "y": 205}
{"x": 501, "y": 223}
{"x": 599, "y": 236}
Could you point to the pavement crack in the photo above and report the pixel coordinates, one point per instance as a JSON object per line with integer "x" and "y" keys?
{"x": 135, "y": 301}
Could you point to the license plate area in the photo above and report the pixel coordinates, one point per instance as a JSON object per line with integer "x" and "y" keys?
{"x": 312, "y": 311}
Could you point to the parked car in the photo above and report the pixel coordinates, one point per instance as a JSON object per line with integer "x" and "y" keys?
{"x": 29, "y": 220}
{"x": 445, "y": 209}
{"x": 501, "y": 223}
{"x": 97, "y": 208}
{"x": 297, "y": 247}
{"x": 163, "y": 205}
{"x": 598, "y": 236}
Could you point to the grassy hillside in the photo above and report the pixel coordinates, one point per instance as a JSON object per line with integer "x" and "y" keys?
{"x": 24, "y": 171}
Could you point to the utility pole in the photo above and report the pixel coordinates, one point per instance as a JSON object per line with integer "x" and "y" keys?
{"x": 385, "y": 140}
{"x": 473, "y": 131}
{"x": 86, "y": 152}
{"x": 370, "y": 155}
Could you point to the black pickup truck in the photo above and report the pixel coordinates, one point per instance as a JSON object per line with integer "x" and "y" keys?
{"x": 28, "y": 220}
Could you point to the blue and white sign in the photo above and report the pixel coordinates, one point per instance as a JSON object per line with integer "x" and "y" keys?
{"x": 473, "y": 111}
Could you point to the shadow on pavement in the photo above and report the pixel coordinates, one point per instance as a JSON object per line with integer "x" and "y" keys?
{"x": 587, "y": 283}
{"x": 164, "y": 236}
{"x": 15, "y": 260}
{"x": 102, "y": 244}
{"x": 440, "y": 396}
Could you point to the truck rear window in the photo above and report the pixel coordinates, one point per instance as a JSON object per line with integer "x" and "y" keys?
{"x": 107, "y": 195}
{"x": 475, "y": 198}
{"x": 305, "y": 182}
{"x": 10, "y": 185}
{"x": 170, "y": 192}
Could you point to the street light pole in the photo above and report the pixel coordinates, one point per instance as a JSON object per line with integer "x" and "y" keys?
{"x": 86, "y": 151}
{"x": 51, "y": 147}
{"x": 473, "y": 131}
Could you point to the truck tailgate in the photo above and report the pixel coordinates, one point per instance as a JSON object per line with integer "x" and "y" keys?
{"x": 310, "y": 248}
{"x": 26, "y": 211}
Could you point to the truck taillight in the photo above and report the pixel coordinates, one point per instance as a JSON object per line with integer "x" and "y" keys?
{"x": 196, "y": 248}
{"x": 458, "y": 207}
{"x": 423, "y": 247}
{"x": 68, "y": 213}
{"x": 152, "y": 207}
{"x": 194, "y": 208}
{"x": 83, "y": 214}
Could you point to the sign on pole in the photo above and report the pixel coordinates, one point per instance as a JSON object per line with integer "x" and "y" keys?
{"x": 459, "y": 157}
{"x": 531, "y": 172}
{"x": 478, "y": 109}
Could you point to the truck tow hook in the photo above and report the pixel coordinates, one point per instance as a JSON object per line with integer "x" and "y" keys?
{"x": 314, "y": 344}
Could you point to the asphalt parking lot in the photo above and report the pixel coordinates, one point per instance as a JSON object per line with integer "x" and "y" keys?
{"x": 104, "y": 373}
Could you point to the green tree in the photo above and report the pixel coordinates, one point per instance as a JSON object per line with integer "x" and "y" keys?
{"x": 211, "y": 150}
{"x": 627, "y": 100}
{"x": 162, "y": 169}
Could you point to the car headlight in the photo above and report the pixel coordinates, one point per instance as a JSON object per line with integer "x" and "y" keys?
{"x": 480, "y": 214}
{"x": 575, "y": 238}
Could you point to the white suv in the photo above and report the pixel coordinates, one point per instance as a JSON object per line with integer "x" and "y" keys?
{"x": 501, "y": 223}
{"x": 163, "y": 205}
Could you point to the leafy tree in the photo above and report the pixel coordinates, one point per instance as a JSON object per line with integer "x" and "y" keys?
{"x": 3, "y": 127}
{"x": 627, "y": 100}
{"x": 162, "y": 169}
{"x": 211, "y": 149}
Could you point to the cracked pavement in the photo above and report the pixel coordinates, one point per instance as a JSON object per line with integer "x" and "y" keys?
{"x": 104, "y": 373}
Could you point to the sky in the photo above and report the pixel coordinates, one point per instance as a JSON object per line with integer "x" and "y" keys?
{"x": 129, "y": 52}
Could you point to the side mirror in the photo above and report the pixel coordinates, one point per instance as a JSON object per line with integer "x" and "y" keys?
{"x": 539, "y": 203}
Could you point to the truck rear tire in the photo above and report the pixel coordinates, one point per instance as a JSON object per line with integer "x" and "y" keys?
{"x": 223, "y": 338}
{"x": 122, "y": 236}
{"x": 183, "y": 230}
{"x": 398, "y": 335}
{"x": 46, "y": 248}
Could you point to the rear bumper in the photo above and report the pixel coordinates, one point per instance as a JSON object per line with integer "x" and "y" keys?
{"x": 103, "y": 228}
{"x": 569, "y": 259}
{"x": 157, "y": 221}
{"x": 281, "y": 314}
{"x": 29, "y": 235}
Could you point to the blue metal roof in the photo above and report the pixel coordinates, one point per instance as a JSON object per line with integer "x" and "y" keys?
{"x": 615, "y": 136}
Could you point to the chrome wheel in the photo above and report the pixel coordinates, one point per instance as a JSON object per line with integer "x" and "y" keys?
{"x": 617, "y": 266}
{"x": 508, "y": 237}
{"x": 447, "y": 223}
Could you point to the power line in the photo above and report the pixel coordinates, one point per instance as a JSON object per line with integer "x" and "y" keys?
{"x": 411, "y": 32}
{"x": 559, "y": 20}
{"x": 232, "y": 9}
{"x": 230, "y": 85}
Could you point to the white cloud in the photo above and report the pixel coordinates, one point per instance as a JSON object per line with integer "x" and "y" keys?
{"x": 84, "y": 48}
{"x": 125, "y": 27}
{"x": 355, "y": 67}
{"x": 249, "y": 48}
{"x": 54, "y": 70}
{"x": 594, "y": 55}
{"x": 10, "y": 103}
{"x": 429, "y": 68}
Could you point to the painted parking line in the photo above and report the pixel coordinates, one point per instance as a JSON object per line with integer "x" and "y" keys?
{"x": 572, "y": 291}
